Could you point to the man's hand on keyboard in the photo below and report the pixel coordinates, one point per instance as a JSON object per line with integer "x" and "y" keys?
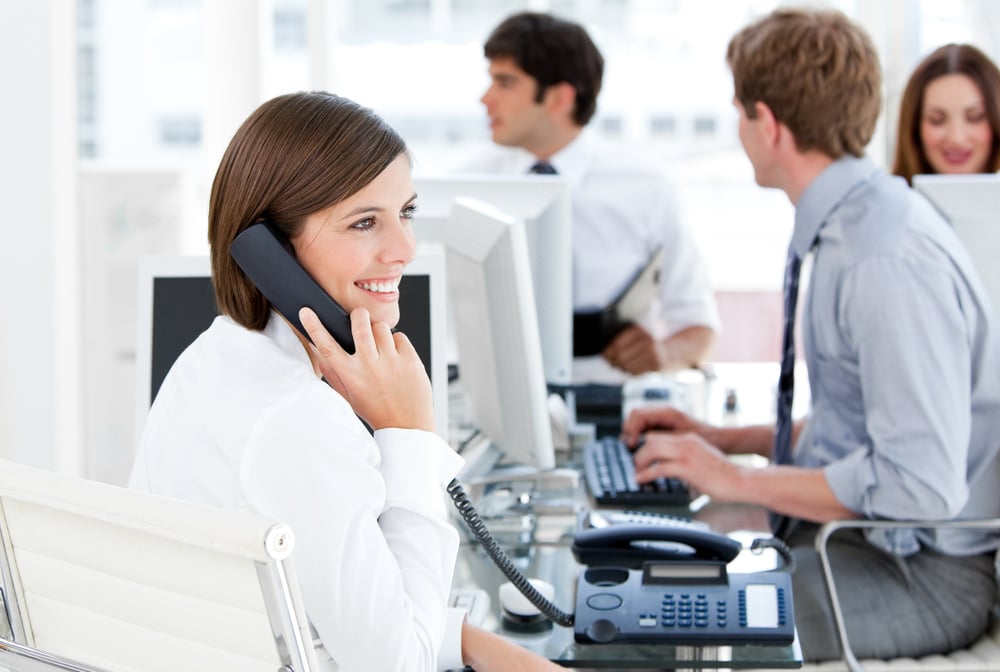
{"x": 664, "y": 418}
{"x": 747, "y": 439}
{"x": 689, "y": 457}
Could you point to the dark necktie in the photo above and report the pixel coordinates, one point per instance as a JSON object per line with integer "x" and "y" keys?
{"x": 786, "y": 382}
{"x": 542, "y": 168}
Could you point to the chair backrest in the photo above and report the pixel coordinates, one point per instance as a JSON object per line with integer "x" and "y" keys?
{"x": 126, "y": 581}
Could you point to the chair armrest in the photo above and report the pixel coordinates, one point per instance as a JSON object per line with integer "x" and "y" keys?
{"x": 23, "y": 658}
{"x": 828, "y": 529}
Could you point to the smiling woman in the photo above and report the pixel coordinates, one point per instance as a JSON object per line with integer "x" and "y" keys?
{"x": 258, "y": 414}
{"x": 949, "y": 120}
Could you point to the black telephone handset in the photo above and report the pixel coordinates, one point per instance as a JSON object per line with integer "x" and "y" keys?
{"x": 633, "y": 545}
{"x": 265, "y": 255}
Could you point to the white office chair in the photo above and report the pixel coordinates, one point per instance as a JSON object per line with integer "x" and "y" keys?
{"x": 98, "y": 577}
{"x": 982, "y": 656}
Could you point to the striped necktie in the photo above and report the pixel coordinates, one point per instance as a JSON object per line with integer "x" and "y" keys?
{"x": 786, "y": 382}
{"x": 542, "y": 168}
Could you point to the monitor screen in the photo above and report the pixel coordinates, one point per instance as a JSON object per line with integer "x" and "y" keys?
{"x": 177, "y": 302}
{"x": 969, "y": 203}
{"x": 543, "y": 203}
{"x": 499, "y": 351}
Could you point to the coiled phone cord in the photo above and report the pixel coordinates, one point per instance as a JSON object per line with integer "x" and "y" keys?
{"x": 501, "y": 559}
{"x": 759, "y": 544}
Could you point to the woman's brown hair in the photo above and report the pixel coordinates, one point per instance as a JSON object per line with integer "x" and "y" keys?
{"x": 295, "y": 155}
{"x": 951, "y": 59}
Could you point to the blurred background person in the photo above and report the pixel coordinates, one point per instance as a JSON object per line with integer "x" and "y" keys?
{"x": 949, "y": 119}
{"x": 546, "y": 74}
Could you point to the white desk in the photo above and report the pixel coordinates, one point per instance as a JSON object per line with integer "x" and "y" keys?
{"x": 755, "y": 384}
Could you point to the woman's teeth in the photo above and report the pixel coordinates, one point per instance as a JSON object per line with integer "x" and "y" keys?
{"x": 379, "y": 287}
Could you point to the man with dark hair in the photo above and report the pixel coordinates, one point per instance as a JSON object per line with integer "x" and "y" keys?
{"x": 546, "y": 75}
{"x": 902, "y": 348}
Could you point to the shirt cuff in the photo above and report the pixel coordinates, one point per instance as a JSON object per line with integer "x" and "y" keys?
{"x": 694, "y": 316}
{"x": 450, "y": 652}
{"x": 415, "y": 464}
{"x": 851, "y": 479}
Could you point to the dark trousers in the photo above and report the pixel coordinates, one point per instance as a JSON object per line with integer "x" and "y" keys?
{"x": 893, "y": 607}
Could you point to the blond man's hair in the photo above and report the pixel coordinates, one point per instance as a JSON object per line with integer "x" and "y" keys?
{"x": 817, "y": 71}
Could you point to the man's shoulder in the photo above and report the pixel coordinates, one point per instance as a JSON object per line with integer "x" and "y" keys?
{"x": 605, "y": 157}
{"x": 629, "y": 168}
{"x": 494, "y": 159}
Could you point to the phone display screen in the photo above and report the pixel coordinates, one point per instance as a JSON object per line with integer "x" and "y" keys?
{"x": 683, "y": 572}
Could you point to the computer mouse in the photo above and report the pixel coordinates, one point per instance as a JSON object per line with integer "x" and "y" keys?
{"x": 519, "y": 614}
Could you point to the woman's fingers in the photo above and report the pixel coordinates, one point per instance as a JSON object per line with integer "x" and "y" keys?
{"x": 382, "y": 338}
{"x": 384, "y": 380}
{"x": 403, "y": 345}
{"x": 361, "y": 329}
{"x": 325, "y": 344}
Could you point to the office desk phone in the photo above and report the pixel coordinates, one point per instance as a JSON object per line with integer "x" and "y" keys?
{"x": 657, "y": 579}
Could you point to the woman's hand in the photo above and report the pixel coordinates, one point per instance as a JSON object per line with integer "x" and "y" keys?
{"x": 384, "y": 380}
{"x": 487, "y": 652}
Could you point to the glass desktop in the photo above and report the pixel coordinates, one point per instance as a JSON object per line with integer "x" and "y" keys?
{"x": 539, "y": 536}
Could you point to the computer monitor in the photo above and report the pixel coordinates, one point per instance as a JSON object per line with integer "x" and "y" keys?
{"x": 970, "y": 204}
{"x": 177, "y": 302}
{"x": 543, "y": 202}
{"x": 499, "y": 350}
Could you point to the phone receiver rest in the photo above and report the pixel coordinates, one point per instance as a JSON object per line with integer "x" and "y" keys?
{"x": 632, "y": 545}
{"x": 260, "y": 252}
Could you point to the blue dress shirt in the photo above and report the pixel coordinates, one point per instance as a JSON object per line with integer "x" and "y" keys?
{"x": 903, "y": 352}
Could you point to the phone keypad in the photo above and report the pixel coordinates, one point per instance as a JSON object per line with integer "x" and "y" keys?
{"x": 685, "y": 611}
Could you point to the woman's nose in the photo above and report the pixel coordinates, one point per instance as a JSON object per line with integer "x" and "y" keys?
{"x": 403, "y": 243}
{"x": 955, "y": 130}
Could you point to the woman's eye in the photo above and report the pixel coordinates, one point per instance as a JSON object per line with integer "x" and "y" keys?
{"x": 409, "y": 212}
{"x": 364, "y": 224}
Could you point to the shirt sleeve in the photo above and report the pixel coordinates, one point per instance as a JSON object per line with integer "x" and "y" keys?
{"x": 374, "y": 549}
{"x": 686, "y": 296}
{"x": 450, "y": 656}
{"x": 912, "y": 352}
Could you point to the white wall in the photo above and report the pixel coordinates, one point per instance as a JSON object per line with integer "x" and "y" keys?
{"x": 40, "y": 403}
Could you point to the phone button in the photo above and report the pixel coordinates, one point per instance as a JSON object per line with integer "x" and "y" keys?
{"x": 602, "y": 631}
{"x": 604, "y": 601}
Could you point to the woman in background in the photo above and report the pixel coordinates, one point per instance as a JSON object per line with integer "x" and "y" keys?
{"x": 949, "y": 119}
{"x": 252, "y": 415}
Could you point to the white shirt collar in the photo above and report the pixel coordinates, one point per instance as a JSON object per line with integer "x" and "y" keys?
{"x": 573, "y": 161}
{"x": 279, "y": 331}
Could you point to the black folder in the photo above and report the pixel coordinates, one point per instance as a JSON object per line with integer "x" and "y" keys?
{"x": 594, "y": 330}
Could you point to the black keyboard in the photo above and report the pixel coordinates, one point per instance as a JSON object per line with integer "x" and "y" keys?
{"x": 599, "y": 405}
{"x": 610, "y": 472}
